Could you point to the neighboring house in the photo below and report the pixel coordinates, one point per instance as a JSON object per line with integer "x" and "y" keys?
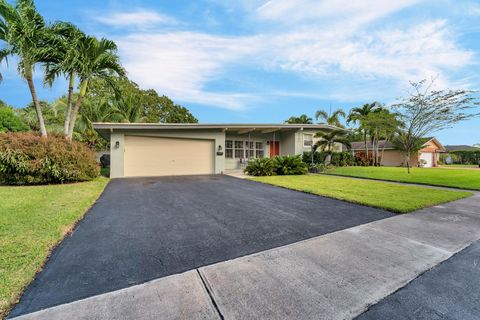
{"x": 392, "y": 157}
{"x": 180, "y": 149}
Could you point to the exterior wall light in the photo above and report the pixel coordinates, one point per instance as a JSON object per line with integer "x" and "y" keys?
{"x": 219, "y": 151}
{"x": 117, "y": 144}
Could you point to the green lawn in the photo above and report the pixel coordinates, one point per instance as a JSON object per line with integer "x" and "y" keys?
{"x": 389, "y": 196}
{"x": 32, "y": 221}
{"x": 455, "y": 178}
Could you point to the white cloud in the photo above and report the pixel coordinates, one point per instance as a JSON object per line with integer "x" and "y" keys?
{"x": 139, "y": 18}
{"x": 336, "y": 39}
{"x": 180, "y": 64}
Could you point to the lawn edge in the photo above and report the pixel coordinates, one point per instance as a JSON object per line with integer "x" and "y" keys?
{"x": 398, "y": 181}
{"x": 69, "y": 230}
{"x": 367, "y": 205}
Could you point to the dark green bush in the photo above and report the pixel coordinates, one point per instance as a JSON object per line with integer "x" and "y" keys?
{"x": 318, "y": 157}
{"x": 259, "y": 167}
{"x": 26, "y": 158}
{"x": 289, "y": 165}
{"x": 342, "y": 159}
{"x": 465, "y": 157}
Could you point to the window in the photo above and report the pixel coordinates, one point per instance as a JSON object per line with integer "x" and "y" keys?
{"x": 239, "y": 149}
{"x": 307, "y": 140}
{"x": 259, "y": 150}
{"x": 228, "y": 149}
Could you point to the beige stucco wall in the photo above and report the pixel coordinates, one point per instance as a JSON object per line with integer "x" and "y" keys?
{"x": 117, "y": 154}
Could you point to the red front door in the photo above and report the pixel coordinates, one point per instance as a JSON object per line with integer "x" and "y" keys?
{"x": 274, "y": 148}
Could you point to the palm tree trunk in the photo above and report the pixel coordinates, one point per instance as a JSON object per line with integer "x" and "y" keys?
{"x": 408, "y": 161}
{"x": 68, "y": 112}
{"x": 38, "y": 109}
{"x": 74, "y": 113}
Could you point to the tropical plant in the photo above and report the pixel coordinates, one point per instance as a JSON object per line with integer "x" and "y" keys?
{"x": 327, "y": 139}
{"x": 342, "y": 159}
{"x": 65, "y": 38}
{"x": 331, "y": 119}
{"x": 302, "y": 119}
{"x": 289, "y": 165}
{"x": 357, "y": 115}
{"x": 26, "y": 35}
{"x": 381, "y": 125}
{"x": 425, "y": 111}
{"x": 259, "y": 167}
{"x": 96, "y": 58}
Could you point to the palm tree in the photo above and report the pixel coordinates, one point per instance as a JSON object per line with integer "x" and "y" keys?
{"x": 357, "y": 115}
{"x": 328, "y": 139}
{"x": 332, "y": 119}
{"x": 25, "y": 32}
{"x": 96, "y": 58}
{"x": 303, "y": 119}
{"x": 64, "y": 60}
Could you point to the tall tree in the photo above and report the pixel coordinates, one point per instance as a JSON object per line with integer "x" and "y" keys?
{"x": 327, "y": 139}
{"x": 425, "y": 111}
{"x": 25, "y": 33}
{"x": 356, "y": 116}
{"x": 381, "y": 125}
{"x": 333, "y": 118}
{"x": 302, "y": 119}
{"x": 96, "y": 58}
{"x": 64, "y": 60}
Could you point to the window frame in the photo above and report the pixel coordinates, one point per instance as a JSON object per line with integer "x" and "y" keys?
{"x": 308, "y": 134}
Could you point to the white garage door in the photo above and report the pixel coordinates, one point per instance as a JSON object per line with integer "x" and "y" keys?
{"x": 428, "y": 157}
{"x": 151, "y": 156}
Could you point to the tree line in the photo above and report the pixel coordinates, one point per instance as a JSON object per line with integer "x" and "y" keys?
{"x": 423, "y": 111}
{"x": 98, "y": 89}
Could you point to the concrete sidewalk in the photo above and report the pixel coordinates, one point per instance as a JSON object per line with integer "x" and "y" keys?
{"x": 335, "y": 276}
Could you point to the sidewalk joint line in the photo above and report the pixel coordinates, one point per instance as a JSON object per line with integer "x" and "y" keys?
{"x": 215, "y": 305}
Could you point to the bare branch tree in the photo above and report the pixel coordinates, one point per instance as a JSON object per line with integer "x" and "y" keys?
{"x": 425, "y": 111}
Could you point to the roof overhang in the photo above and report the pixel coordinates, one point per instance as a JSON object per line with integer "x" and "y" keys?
{"x": 106, "y": 128}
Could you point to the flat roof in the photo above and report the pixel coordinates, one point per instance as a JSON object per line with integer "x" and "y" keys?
{"x": 105, "y": 128}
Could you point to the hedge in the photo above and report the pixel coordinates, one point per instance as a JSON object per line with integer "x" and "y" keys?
{"x": 27, "y": 158}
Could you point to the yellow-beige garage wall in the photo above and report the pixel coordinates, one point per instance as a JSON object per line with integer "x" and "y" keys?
{"x": 158, "y": 156}
{"x": 117, "y": 165}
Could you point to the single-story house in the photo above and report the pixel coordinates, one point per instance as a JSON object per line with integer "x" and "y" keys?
{"x": 156, "y": 149}
{"x": 392, "y": 157}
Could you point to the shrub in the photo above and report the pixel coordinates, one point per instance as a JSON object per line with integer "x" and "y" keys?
{"x": 318, "y": 157}
{"x": 465, "y": 157}
{"x": 259, "y": 167}
{"x": 26, "y": 158}
{"x": 342, "y": 159}
{"x": 289, "y": 165}
{"x": 317, "y": 168}
{"x": 362, "y": 159}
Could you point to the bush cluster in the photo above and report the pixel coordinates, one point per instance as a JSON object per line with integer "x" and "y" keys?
{"x": 462, "y": 157}
{"x": 318, "y": 157}
{"x": 26, "y": 158}
{"x": 342, "y": 159}
{"x": 280, "y": 165}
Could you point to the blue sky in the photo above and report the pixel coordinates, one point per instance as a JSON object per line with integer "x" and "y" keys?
{"x": 263, "y": 61}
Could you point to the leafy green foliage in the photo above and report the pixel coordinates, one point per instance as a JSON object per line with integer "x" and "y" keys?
{"x": 289, "y": 165}
{"x": 9, "y": 121}
{"x": 302, "y": 119}
{"x": 342, "y": 159}
{"x": 259, "y": 167}
{"x": 465, "y": 157}
{"x": 332, "y": 119}
{"x": 318, "y": 157}
{"x": 26, "y": 158}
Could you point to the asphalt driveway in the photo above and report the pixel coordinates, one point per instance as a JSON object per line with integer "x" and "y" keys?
{"x": 147, "y": 228}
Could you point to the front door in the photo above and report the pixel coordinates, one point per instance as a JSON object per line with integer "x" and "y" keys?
{"x": 274, "y": 148}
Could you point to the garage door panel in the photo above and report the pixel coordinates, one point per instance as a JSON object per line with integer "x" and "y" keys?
{"x": 154, "y": 156}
